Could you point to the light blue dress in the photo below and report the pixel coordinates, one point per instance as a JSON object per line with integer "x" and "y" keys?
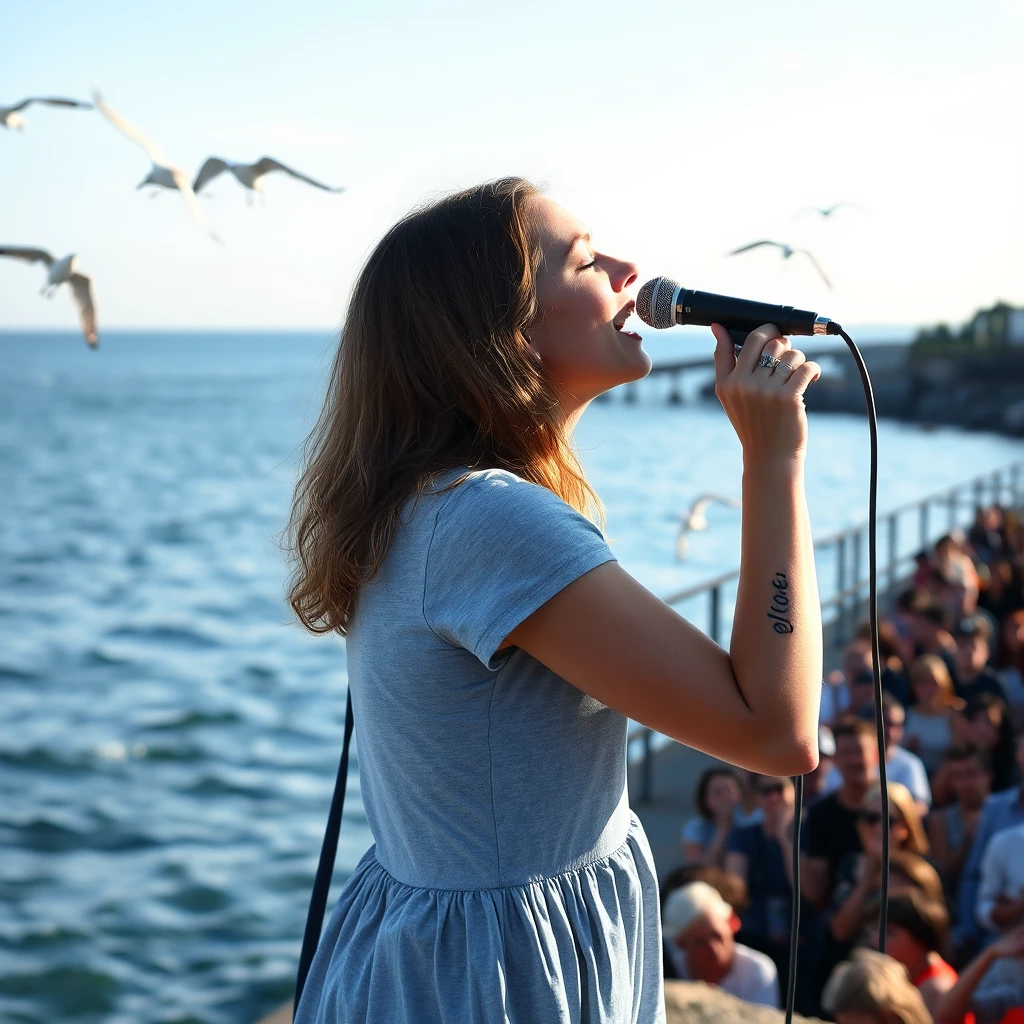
{"x": 509, "y": 882}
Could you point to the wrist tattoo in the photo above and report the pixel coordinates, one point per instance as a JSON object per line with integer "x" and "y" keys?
{"x": 779, "y": 610}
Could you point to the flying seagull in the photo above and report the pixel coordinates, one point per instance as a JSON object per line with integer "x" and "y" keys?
{"x": 10, "y": 118}
{"x": 64, "y": 271}
{"x": 787, "y": 251}
{"x": 696, "y": 519}
{"x": 827, "y": 211}
{"x": 163, "y": 174}
{"x": 250, "y": 175}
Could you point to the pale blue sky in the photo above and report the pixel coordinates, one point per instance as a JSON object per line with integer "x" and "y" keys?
{"x": 676, "y": 131}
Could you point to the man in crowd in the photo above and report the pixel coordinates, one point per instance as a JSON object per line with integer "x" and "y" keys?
{"x": 991, "y": 986}
{"x": 1001, "y": 811}
{"x": 1000, "y": 904}
{"x": 832, "y": 822}
{"x": 974, "y": 675}
{"x": 901, "y": 765}
{"x": 968, "y": 774}
{"x": 700, "y": 928}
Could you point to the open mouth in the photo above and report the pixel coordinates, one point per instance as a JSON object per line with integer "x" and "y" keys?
{"x": 622, "y": 318}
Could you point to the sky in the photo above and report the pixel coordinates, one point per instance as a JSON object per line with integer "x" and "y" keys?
{"x": 676, "y": 131}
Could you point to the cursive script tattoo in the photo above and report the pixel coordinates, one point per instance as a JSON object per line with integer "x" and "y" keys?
{"x": 779, "y": 610}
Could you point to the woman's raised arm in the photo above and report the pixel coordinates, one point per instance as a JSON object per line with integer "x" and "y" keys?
{"x": 755, "y": 705}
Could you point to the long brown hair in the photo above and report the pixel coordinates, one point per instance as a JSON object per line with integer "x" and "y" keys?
{"x": 433, "y": 371}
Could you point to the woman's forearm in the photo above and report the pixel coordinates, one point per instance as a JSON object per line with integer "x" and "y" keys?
{"x": 776, "y": 647}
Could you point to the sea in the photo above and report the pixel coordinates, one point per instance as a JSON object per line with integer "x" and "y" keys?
{"x": 169, "y": 736}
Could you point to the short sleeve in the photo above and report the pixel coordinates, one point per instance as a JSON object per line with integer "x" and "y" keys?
{"x": 502, "y": 547}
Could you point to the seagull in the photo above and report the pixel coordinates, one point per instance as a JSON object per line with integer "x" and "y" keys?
{"x": 696, "y": 519}
{"x": 64, "y": 271}
{"x": 163, "y": 173}
{"x": 250, "y": 175}
{"x": 10, "y": 118}
{"x": 787, "y": 251}
{"x": 827, "y": 211}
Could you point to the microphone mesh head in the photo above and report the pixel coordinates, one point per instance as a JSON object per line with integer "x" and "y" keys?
{"x": 654, "y": 302}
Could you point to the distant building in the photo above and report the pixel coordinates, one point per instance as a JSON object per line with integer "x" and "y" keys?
{"x": 998, "y": 327}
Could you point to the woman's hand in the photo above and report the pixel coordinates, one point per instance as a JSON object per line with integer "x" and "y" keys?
{"x": 765, "y": 405}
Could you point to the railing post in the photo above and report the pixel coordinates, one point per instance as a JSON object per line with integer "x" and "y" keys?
{"x": 647, "y": 777}
{"x": 1014, "y": 479}
{"x": 952, "y": 510}
{"x": 630, "y": 395}
{"x": 923, "y": 514}
{"x": 997, "y": 487}
{"x": 714, "y": 611}
{"x": 979, "y": 493}
{"x": 893, "y": 557}
{"x": 675, "y": 391}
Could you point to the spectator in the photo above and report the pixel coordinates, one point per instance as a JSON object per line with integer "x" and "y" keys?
{"x": 832, "y": 822}
{"x": 873, "y": 987}
{"x": 718, "y": 797}
{"x": 987, "y": 725}
{"x": 1000, "y": 811}
{"x": 974, "y": 675}
{"x": 958, "y": 579}
{"x": 991, "y": 985}
{"x": 931, "y": 624}
{"x": 987, "y": 535}
{"x": 967, "y": 774}
{"x": 700, "y": 929}
{"x": 859, "y": 876}
{"x": 917, "y": 935}
{"x": 929, "y": 729}
{"x": 900, "y": 764}
{"x": 1009, "y": 663}
{"x": 1000, "y": 904}
{"x": 835, "y": 694}
{"x": 1003, "y": 592}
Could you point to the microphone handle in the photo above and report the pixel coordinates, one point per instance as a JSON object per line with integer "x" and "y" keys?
{"x": 741, "y": 316}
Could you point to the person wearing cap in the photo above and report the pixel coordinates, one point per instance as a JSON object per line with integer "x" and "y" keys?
{"x": 974, "y": 675}
{"x": 699, "y": 928}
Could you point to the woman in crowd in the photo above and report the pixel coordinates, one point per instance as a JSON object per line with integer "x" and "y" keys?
{"x": 931, "y": 725}
{"x": 987, "y": 725}
{"x": 858, "y": 878}
{"x": 917, "y": 935}
{"x": 872, "y": 988}
{"x": 705, "y": 835}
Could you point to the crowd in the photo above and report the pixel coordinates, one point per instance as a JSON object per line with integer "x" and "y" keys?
{"x": 952, "y": 669}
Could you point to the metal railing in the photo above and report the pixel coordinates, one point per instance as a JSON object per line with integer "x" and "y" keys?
{"x": 845, "y": 554}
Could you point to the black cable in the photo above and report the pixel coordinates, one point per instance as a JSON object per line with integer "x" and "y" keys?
{"x": 876, "y": 672}
{"x": 794, "y": 907}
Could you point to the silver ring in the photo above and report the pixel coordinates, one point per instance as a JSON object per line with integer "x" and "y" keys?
{"x": 769, "y": 361}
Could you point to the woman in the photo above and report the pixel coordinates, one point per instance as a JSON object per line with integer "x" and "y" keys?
{"x": 917, "y": 935}
{"x": 987, "y": 725}
{"x": 858, "y": 876}
{"x": 932, "y": 724}
{"x": 495, "y": 649}
{"x": 718, "y": 799}
{"x": 872, "y": 988}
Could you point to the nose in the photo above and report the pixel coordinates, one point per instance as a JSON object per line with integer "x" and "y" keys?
{"x": 621, "y": 273}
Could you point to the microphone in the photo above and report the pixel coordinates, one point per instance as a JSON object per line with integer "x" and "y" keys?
{"x": 662, "y": 302}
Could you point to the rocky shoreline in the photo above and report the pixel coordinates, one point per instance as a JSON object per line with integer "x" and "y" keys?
{"x": 973, "y": 389}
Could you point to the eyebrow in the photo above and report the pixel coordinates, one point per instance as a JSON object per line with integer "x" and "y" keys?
{"x": 572, "y": 244}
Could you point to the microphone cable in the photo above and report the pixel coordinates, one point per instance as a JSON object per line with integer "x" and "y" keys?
{"x": 876, "y": 672}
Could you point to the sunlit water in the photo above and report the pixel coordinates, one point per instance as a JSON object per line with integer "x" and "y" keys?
{"x": 169, "y": 738}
